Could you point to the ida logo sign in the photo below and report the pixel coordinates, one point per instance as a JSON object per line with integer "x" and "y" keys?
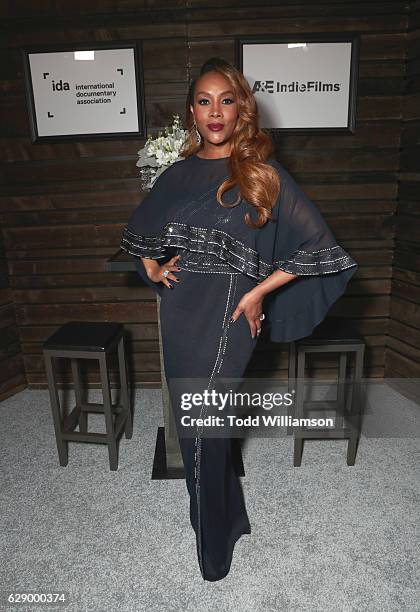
{"x": 60, "y": 85}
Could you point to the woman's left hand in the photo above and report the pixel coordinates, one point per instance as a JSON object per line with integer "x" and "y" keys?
{"x": 251, "y": 306}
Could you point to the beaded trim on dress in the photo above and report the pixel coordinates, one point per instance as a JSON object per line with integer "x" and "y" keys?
{"x": 232, "y": 251}
{"x": 324, "y": 261}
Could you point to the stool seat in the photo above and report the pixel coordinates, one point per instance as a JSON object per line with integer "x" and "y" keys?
{"x": 84, "y": 335}
{"x": 333, "y": 330}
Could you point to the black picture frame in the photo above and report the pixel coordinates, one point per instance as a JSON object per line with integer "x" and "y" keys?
{"x": 139, "y": 106}
{"x": 351, "y": 37}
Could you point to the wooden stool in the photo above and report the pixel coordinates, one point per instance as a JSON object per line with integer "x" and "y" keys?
{"x": 332, "y": 335}
{"x": 84, "y": 340}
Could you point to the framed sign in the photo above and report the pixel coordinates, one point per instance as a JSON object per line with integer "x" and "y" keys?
{"x": 305, "y": 82}
{"x": 85, "y": 91}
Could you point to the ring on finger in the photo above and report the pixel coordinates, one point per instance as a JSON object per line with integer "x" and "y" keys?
{"x": 165, "y": 274}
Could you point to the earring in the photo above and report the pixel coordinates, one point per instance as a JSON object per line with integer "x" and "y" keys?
{"x": 197, "y": 133}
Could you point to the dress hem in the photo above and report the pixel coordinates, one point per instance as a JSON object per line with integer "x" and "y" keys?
{"x": 235, "y": 536}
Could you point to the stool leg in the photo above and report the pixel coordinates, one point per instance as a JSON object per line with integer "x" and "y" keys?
{"x": 291, "y": 383}
{"x": 82, "y": 414}
{"x": 128, "y": 429}
{"x": 62, "y": 445}
{"x": 299, "y": 399}
{"x": 297, "y": 452}
{"x": 109, "y": 421}
{"x": 351, "y": 450}
{"x": 341, "y": 390}
{"x": 355, "y": 409}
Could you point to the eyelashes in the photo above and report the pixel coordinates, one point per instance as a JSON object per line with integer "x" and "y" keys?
{"x": 231, "y": 101}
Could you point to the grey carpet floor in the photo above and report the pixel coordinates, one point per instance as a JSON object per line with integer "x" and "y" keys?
{"x": 325, "y": 536}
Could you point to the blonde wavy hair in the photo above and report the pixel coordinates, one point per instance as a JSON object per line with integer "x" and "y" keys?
{"x": 259, "y": 182}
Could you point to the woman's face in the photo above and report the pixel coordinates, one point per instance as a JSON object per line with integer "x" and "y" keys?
{"x": 215, "y": 106}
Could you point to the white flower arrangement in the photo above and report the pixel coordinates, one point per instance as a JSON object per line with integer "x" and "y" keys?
{"x": 161, "y": 152}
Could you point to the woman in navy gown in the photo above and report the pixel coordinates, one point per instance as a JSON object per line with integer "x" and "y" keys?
{"x": 231, "y": 243}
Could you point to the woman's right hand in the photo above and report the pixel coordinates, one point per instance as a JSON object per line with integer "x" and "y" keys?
{"x": 156, "y": 275}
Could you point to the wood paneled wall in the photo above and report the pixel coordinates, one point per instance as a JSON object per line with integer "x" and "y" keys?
{"x": 403, "y": 342}
{"x": 63, "y": 206}
{"x": 12, "y": 371}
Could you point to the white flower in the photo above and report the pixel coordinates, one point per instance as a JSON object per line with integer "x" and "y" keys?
{"x": 161, "y": 152}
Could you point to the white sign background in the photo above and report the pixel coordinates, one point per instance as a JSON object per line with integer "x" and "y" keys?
{"x": 96, "y": 108}
{"x": 323, "y": 63}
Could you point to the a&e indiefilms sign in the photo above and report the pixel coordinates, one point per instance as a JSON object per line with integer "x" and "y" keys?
{"x": 305, "y": 82}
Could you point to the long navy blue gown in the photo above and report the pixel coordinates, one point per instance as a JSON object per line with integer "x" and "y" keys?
{"x": 222, "y": 258}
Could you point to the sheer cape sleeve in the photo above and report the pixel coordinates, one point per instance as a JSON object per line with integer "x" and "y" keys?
{"x": 142, "y": 235}
{"x": 301, "y": 242}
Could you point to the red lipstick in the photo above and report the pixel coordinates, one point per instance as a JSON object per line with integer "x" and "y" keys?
{"x": 215, "y": 127}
